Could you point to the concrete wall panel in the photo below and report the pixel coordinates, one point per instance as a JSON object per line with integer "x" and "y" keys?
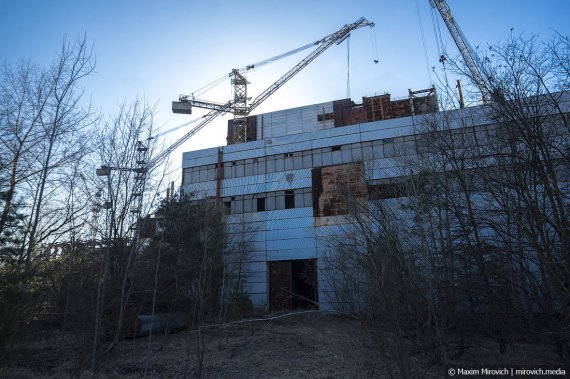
{"x": 287, "y": 254}
{"x": 209, "y": 152}
{"x": 199, "y": 161}
{"x": 292, "y": 243}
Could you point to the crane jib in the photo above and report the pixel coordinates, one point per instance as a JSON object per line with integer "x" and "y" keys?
{"x": 239, "y": 105}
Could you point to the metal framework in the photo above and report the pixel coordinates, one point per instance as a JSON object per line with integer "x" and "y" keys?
{"x": 238, "y": 106}
{"x": 465, "y": 49}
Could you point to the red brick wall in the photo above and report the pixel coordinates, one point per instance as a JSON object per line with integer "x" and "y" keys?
{"x": 251, "y": 130}
{"x": 377, "y": 108}
{"x": 333, "y": 185}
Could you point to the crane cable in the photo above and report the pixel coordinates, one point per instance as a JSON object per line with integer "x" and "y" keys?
{"x": 440, "y": 45}
{"x": 170, "y": 130}
{"x": 423, "y": 40}
{"x": 209, "y": 86}
{"x": 348, "y": 67}
{"x": 437, "y": 33}
{"x": 254, "y": 66}
{"x": 374, "y": 46}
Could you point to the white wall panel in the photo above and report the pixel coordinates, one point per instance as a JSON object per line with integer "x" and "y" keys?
{"x": 246, "y": 146}
{"x": 201, "y": 194}
{"x": 199, "y": 161}
{"x": 209, "y": 152}
{"x": 256, "y": 276}
{"x": 291, "y": 243}
{"x": 291, "y": 223}
{"x": 203, "y": 186}
{"x": 287, "y": 254}
{"x": 256, "y": 288}
{"x": 284, "y": 234}
{"x": 289, "y": 213}
{"x": 243, "y": 154}
{"x": 288, "y": 234}
{"x": 259, "y": 299}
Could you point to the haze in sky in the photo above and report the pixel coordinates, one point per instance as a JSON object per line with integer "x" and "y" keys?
{"x": 161, "y": 49}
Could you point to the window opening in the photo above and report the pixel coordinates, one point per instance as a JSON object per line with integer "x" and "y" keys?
{"x": 260, "y": 204}
{"x": 289, "y": 199}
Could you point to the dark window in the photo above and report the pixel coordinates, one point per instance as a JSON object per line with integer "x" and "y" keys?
{"x": 288, "y": 155}
{"x": 289, "y": 199}
{"x": 228, "y": 206}
{"x": 260, "y": 204}
{"x": 386, "y": 191}
{"x": 326, "y": 116}
{"x": 335, "y": 148}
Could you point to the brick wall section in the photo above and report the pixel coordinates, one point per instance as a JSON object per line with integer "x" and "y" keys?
{"x": 251, "y": 130}
{"x": 331, "y": 185}
{"x": 377, "y": 108}
{"x": 347, "y": 112}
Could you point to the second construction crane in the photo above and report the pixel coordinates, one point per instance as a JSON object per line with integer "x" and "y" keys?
{"x": 467, "y": 53}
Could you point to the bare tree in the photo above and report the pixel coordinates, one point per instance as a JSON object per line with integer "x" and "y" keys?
{"x": 237, "y": 257}
{"x": 43, "y": 129}
{"x": 477, "y": 219}
{"x": 124, "y": 145}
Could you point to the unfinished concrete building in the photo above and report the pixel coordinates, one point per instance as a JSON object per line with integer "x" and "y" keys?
{"x": 279, "y": 185}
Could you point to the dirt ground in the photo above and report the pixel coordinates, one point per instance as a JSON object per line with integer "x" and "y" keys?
{"x": 305, "y": 345}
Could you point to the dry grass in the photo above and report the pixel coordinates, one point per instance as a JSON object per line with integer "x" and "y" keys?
{"x": 309, "y": 345}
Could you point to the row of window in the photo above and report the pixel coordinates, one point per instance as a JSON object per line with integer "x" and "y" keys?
{"x": 303, "y": 197}
{"x": 297, "y": 160}
{"x": 269, "y": 201}
{"x": 340, "y": 154}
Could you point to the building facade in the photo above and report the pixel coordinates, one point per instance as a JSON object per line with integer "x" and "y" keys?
{"x": 281, "y": 187}
{"x": 278, "y": 187}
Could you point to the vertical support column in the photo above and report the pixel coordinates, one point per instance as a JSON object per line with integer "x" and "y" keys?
{"x": 240, "y": 107}
{"x": 219, "y": 173}
{"x": 411, "y": 95}
{"x": 460, "y": 93}
{"x": 140, "y": 176}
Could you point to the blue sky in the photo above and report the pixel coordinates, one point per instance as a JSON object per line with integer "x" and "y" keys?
{"x": 160, "y": 49}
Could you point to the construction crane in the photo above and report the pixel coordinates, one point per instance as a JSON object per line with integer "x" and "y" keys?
{"x": 238, "y": 106}
{"x": 465, "y": 49}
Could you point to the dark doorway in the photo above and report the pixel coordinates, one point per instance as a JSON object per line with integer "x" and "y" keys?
{"x": 293, "y": 284}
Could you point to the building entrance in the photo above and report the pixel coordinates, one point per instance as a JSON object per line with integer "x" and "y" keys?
{"x": 293, "y": 284}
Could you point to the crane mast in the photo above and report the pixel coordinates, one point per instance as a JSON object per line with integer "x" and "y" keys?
{"x": 238, "y": 106}
{"x": 241, "y": 110}
{"x": 465, "y": 49}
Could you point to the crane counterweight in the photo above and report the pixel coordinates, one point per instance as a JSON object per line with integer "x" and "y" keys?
{"x": 183, "y": 107}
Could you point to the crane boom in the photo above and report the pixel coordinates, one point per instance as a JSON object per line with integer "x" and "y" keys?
{"x": 465, "y": 49}
{"x": 207, "y": 119}
{"x": 325, "y": 43}
{"x": 238, "y": 105}
{"x": 181, "y": 107}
